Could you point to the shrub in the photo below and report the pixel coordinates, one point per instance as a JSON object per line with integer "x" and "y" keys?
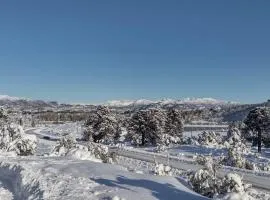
{"x": 13, "y": 138}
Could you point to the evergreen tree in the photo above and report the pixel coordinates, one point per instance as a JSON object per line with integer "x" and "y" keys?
{"x": 146, "y": 126}
{"x": 258, "y": 121}
{"x": 102, "y": 126}
{"x": 174, "y": 123}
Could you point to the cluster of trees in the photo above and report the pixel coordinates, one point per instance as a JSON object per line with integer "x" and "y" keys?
{"x": 144, "y": 127}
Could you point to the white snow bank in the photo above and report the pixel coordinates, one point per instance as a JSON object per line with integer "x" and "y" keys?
{"x": 5, "y": 194}
{"x": 235, "y": 196}
{"x": 64, "y": 179}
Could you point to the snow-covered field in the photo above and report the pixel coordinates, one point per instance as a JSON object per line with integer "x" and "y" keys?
{"x": 44, "y": 176}
{"x": 60, "y": 178}
{"x": 58, "y": 130}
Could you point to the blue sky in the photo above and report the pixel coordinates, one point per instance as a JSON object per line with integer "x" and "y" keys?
{"x": 96, "y": 50}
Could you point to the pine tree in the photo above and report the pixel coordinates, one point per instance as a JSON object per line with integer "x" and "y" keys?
{"x": 174, "y": 123}
{"x": 147, "y": 127}
{"x": 258, "y": 121}
{"x": 102, "y": 126}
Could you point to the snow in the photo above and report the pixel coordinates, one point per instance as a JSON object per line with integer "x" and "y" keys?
{"x": 55, "y": 131}
{"x": 4, "y": 193}
{"x": 80, "y": 175}
{"x": 235, "y": 196}
{"x": 53, "y": 178}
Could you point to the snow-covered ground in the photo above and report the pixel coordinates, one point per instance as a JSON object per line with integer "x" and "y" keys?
{"x": 58, "y": 130}
{"x": 60, "y": 178}
{"x": 43, "y": 177}
{"x": 46, "y": 177}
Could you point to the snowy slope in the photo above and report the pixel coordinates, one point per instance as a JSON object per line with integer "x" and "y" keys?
{"x": 59, "y": 178}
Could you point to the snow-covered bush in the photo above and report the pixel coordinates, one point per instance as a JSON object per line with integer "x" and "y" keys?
{"x": 190, "y": 140}
{"x": 81, "y": 152}
{"x": 234, "y": 140}
{"x": 233, "y": 188}
{"x": 205, "y": 183}
{"x": 236, "y": 150}
{"x": 166, "y": 139}
{"x": 263, "y": 166}
{"x": 232, "y": 182}
{"x": 208, "y": 162}
{"x": 65, "y": 144}
{"x": 100, "y": 151}
{"x": 235, "y": 158}
{"x": 209, "y": 138}
{"x": 13, "y": 138}
{"x": 162, "y": 170}
{"x": 160, "y": 148}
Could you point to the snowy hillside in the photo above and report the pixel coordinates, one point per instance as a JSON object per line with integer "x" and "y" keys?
{"x": 52, "y": 178}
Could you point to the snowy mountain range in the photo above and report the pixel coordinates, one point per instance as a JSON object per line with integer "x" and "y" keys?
{"x": 11, "y": 101}
{"x": 24, "y": 103}
{"x": 231, "y": 111}
{"x": 140, "y": 102}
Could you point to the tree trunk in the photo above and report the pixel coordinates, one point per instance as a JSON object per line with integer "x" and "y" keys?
{"x": 143, "y": 139}
{"x": 259, "y": 141}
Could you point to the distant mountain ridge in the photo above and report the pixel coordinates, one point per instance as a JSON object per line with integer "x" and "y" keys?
{"x": 9, "y": 98}
{"x": 227, "y": 110}
{"x": 141, "y": 102}
{"x": 24, "y": 103}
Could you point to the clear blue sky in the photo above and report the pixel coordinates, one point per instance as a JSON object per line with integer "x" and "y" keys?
{"x": 96, "y": 50}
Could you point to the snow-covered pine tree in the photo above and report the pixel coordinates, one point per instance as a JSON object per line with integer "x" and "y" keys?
{"x": 174, "y": 123}
{"x": 234, "y": 139}
{"x": 102, "y": 126}
{"x": 258, "y": 121}
{"x": 146, "y": 127}
{"x": 208, "y": 138}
